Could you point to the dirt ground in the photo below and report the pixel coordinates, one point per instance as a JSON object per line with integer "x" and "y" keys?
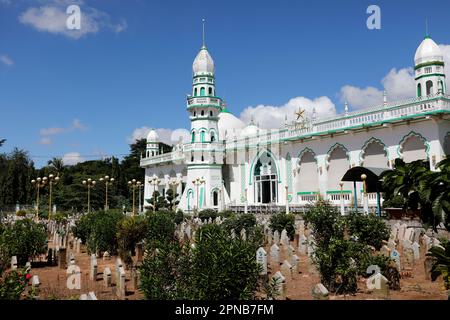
{"x": 53, "y": 282}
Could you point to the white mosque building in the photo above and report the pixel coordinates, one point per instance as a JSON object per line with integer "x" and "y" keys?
{"x": 230, "y": 165}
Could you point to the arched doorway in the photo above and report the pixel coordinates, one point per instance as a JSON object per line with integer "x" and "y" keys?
{"x": 338, "y": 164}
{"x": 307, "y": 177}
{"x": 215, "y": 197}
{"x": 374, "y": 155}
{"x": 265, "y": 179}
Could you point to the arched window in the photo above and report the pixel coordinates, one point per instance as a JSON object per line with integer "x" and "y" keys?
{"x": 195, "y": 113}
{"x": 202, "y": 91}
{"x": 210, "y": 91}
{"x": 202, "y": 136}
{"x": 215, "y": 198}
{"x": 195, "y": 92}
{"x": 419, "y": 90}
{"x": 213, "y": 136}
{"x": 429, "y": 85}
{"x": 193, "y": 136}
{"x": 148, "y": 154}
{"x": 441, "y": 87}
{"x": 192, "y": 158}
{"x": 203, "y": 112}
{"x": 203, "y": 158}
{"x": 210, "y": 113}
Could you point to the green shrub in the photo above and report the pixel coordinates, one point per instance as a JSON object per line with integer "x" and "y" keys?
{"x": 21, "y": 213}
{"x": 178, "y": 217}
{"x": 24, "y": 239}
{"x": 238, "y": 222}
{"x": 207, "y": 213}
{"x": 161, "y": 228}
{"x": 366, "y": 259}
{"x": 13, "y": 284}
{"x": 369, "y": 229}
{"x": 226, "y": 214}
{"x": 394, "y": 202}
{"x": 282, "y": 221}
{"x": 130, "y": 231}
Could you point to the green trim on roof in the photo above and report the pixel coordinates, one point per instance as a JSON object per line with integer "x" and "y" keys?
{"x": 308, "y": 193}
{"x": 430, "y": 75}
{"x": 339, "y": 191}
{"x": 431, "y": 63}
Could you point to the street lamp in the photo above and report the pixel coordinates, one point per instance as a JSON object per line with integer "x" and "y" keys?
{"x": 39, "y": 183}
{"x": 89, "y": 183}
{"x": 366, "y": 203}
{"x": 154, "y": 181}
{"x": 287, "y": 199}
{"x": 52, "y": 180}
{"x": 341, "y": 184}
{"x": 108, "y": 181}
{"x": 174, "y": 183}
{"x": 141, "y": 186}
{"x": 197, "y": 183}
{"x": 134, "y": 184}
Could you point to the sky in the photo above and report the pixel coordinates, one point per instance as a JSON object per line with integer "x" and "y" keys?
{"x": 87, "y": 94}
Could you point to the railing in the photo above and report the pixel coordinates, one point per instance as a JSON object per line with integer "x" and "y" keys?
{"x": 366, "y": 117}
{"x": 165, "y": 157}
{"x": 212, "y": 146}
{"x": 204, "y": 101}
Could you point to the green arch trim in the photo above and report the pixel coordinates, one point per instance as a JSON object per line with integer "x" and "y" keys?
{"x": 303, "y": 152}
{"x": 409, "y": 135}
{"x": 330, "y": 151}
{"x": 367, "y": 143}
{"x": 255, "y": 159}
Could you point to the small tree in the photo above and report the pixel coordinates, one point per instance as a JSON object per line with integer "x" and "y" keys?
{"x": 282, "y": 221}
{"x": 130, "y": 231}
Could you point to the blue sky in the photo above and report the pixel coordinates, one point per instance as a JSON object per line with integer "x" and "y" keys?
{"x": 84, "y": 97}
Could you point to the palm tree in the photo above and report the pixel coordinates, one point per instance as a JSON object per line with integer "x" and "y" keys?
{"x": 2, "y": 141}
{"x": 57, "y": 164}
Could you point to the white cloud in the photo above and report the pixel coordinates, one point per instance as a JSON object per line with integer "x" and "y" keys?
{"x": 168, "y": 136}
{"x": 45, "y": 141}
{"x": 76, "y": 125}
{"x": 361, "y": 98}
{"x": 6, "y": 60}
{"x": 72, "y": 158}
{"x": 52, "y": 18}
{"x": 273, "y": 117}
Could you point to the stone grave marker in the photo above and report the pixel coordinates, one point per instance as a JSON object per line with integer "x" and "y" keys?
{"x": 319, "y": 292}
{"x": 107, "y": 277}
{"x": 284, "y": 238}
{"x": 409, "y": 234}
{"x": 379, "y": 284}
{"x": 91, "y": 296}
{"x": 14, "y": 262}
{"x": 385, "y": 251}
{"x": 303, "y": 242}
{"x": 106, "y": 256}
{"x": 407, "y": 244}
{"x": 243, "y": 234}
{"x": 286, "y": 269}
{"x": 408, "y": 255}
{"x": 121, "y": 288}
{"x": 276, "y": 237}
{"x": 396, "y": 257}
{"x": 416, "y": 249}
{"x": 261, "y": 259}
{"x": 93, "y": 270}
{"x": 275, "y": 255}
{"x": 35, "y": 283}
{"x": 391, "y": 245}
{"x": 281, "y": 284}
{"x": 428, "y": 265}
{"x": 295, "y": 261}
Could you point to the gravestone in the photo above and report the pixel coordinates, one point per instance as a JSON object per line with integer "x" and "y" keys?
{"x": 426, "y": 243}
{"x": 395, "y": 255}
{"x": 428, "y": 265}
{"x": 385, "y": 251}
{"x": 91, "y": 296}
{"x": 79, "y": 245}
{"x": 286, "y": 270}
{"x": 35, "y": 283}
{"x": 276, "y": 237}
{"x": 295, "y": 261}
{"x": 416, "y": 249}
{"x": 303, "y": 241}
{"x": 284, "y": 238}
{"x": 275, "y": 255}
{"x": 107, "y": 277}
{"x": 261, "y": 259}
{"x": 71, "y": 258}
{"x": 243, "y": 234}
{"x": 233, "y": 234}
{"x": 394, "y": 231}
{"x": 93, "y": 271}
{"x": 14, "y": 262}
{"x": 289, "y": 252}
{"x": 269, "y": 237}
{"x": 134, "y": 278}
{"x": 121, "y": 288}
{"x": 409, "y": 234}
{"x": 62, "y": 258}
{"x": 379, "y": 284}
{"x": 281, "y": 284}
{"x": 28, "y": 266}
{"x": 408, "y": 255}
{"x": 391, "y": 245}
{"x": 319, "y": 292}
{"x": 401, "y": 232}
{"x": 106, "y": 256}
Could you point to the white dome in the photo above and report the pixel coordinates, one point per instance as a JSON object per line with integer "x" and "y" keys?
{"x": 228, "y": 123}
{"x": 251, "y": 130}
{"x": 203, "y": 62}
{"x": 152, "y": 136}
{"x": 428, "y": 51}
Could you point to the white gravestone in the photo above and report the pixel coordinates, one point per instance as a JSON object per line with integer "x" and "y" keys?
{"x": 276, "y": 237}
{"x": 93, "y": 272}
{"x": 275, "y": 255}
{"x": 396, "y": 257}
{"x": 416, "y": 249}
{"x": 286, "y": 269}
{"x": 261, "y": 259}
{"x": 302, "y": 245}
{"x": 107, "y": 277}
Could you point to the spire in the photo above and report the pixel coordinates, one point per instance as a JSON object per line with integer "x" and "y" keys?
{"x": 203, "y": 34}
{"x": 384, "y": 98}
{"x": 426, "y": 29}
{"x": 346, "y": 108}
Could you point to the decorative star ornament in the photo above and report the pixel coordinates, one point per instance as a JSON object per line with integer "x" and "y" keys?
{"x": 300, "y": 113}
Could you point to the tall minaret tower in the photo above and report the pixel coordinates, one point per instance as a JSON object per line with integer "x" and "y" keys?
{"x": 429, "y": 69}
{"x": 204, "y": 155}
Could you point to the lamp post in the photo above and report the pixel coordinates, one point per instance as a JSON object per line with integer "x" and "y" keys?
{"x": 287, "y": 199}
{"x": 366, "y": 203}
{"x": 134, "y": 184}
{"x": 197, "y": 183}
{"x": 141, "y": 186}
{"x": 154, "y": 181}
{"x": 107, "y": 181}
{"x": 245, "y": 203}
{"x": 52, "y": 180}
{"x": 89, "y": 183}
{"x": 39, "y": 183}
{"x": 174, "y": 183}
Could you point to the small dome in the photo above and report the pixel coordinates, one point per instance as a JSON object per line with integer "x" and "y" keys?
{"x": 428, "y": 51}
{"x": 152, "y": 136}
{"x": 228, "y": 123}
{"x": 252, "y": 130}
{"x": 203, "y": 62}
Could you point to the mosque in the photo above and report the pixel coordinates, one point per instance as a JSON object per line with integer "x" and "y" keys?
{"x": 230, "y": 165}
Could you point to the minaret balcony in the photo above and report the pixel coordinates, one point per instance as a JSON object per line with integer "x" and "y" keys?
{"x": 204, "y": 102}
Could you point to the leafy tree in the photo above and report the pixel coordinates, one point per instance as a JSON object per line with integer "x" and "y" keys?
{"x": 131, "y": 230}
{"x": 2, "y": 141}
{"x": 161, "y": 229}
{"x": 24, "y": 239}
{"x": 368, "y": 229}
{"x": 56, "y": 164}
{"x": 206, "y": 214}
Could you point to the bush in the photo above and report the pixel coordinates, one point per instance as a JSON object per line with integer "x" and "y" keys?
{"x": 369, "y": 229}
{"x": 13, "y": 284}
{"x": 396, "y": 201}
{"x": 21, "y": 213}
{"x": 207, "y": 213}
{"x": 216, "y": 268}
{"x": 24, "y": 239}
{"x": 226, "y": 214}
{"x": 161, "y": 228}
{"x": 282, "y": 221}
{"x": 130, "y": 231}
{"x": 246, "y": 221}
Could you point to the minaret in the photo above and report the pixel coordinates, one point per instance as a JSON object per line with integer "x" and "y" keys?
{"x": 429, "y": 69}
{"x": 204, "y": 156}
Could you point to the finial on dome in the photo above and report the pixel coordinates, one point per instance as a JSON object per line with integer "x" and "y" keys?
{"x": 346, "y": 108}
{"x": 203, "y": 34}
{"x": 384, "y": 97}
{"x": 426, "y": 29}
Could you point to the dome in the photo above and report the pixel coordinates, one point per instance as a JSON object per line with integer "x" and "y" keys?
{"x": 428, "y": 51}
{"x": 228, "y": 123}
{"x": 152, "y": 136}
{"x": 203, "y": 62}
{"x": 251, "y": 130}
